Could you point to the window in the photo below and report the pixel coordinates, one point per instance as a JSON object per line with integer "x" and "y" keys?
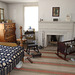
{"x": 1, "y": 14}
{"x": 31, "y": 17}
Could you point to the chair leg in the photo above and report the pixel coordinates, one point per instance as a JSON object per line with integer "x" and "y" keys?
{"x": 65, "y": 56}
{"x": 29, "y": 60}
{"x": 57, "y": 52}
{"x": 37, "y": 49}
{"x": 28, "y": 50}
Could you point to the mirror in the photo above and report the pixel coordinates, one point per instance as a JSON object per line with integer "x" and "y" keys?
{"x": 1, "y": 14}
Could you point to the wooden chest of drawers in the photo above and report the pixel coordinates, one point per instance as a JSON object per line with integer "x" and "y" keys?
{"x": 7, "y": 32}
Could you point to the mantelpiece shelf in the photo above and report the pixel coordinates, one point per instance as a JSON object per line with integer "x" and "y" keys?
{"x": 56, "y": 22}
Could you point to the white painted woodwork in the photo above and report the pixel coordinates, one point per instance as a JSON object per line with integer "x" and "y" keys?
{"x": 55, "y": 28}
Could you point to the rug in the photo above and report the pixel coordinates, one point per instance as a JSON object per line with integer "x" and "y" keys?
{"x": 48, "y": 64}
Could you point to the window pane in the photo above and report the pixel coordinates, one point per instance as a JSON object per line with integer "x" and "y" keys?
{"x": 1, "y": 16}
{"x": 31, "y": 18}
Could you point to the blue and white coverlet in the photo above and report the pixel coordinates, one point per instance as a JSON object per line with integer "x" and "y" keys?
{"x": 9, "y": 58}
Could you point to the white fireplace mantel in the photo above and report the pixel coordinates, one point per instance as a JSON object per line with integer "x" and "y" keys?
{"x": 67, "y": 29}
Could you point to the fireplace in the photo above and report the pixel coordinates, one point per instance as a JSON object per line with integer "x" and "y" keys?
{"x": 53, "y": 39}
{"x": 63, "y": 29}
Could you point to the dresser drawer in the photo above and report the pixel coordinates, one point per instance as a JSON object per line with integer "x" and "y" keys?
{"x": 9, "y": 32}
{"x": 7, "y": 26}
{"x": 11, "y": 39}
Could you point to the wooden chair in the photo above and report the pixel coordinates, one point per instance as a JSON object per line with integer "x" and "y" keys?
{"x": 31, "y": 42}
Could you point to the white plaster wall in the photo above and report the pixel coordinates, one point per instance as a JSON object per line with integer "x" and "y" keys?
{"x": 45, "y": 12}
{"x": 16, "y": 14}
{"x": 66, "y": 7}
{"x": 15, "y": 11}
{"x": 4, "y": 5}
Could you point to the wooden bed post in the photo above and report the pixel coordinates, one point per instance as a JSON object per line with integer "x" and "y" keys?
{"x": 21, "y": 41}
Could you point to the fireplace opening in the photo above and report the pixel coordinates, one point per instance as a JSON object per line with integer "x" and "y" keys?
{"x": 53, "y": 39}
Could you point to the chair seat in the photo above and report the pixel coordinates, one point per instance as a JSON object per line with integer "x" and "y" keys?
{"x": 32, "y": 45}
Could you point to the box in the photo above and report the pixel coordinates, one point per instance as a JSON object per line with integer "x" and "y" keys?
{"x": 55, "y": 19}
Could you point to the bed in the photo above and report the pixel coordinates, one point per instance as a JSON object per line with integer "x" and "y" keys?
{"x": 10, "y": 55}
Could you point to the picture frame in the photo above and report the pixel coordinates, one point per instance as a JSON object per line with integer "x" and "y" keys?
{"x": 55, "y": 11}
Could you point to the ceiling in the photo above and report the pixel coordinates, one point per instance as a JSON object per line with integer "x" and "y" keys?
{"x": 18, "y": 1}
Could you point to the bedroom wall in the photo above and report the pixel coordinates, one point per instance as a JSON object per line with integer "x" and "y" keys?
{"x": 16, "y": 14}
{"x": 15, "y": 11}
{"x": 66, "y": 7}
{"x": 45, "y": 12}
{"x": 4, "y": 5}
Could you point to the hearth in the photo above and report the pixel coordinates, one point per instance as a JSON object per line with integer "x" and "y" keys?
{"x": 53, "y": 39}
